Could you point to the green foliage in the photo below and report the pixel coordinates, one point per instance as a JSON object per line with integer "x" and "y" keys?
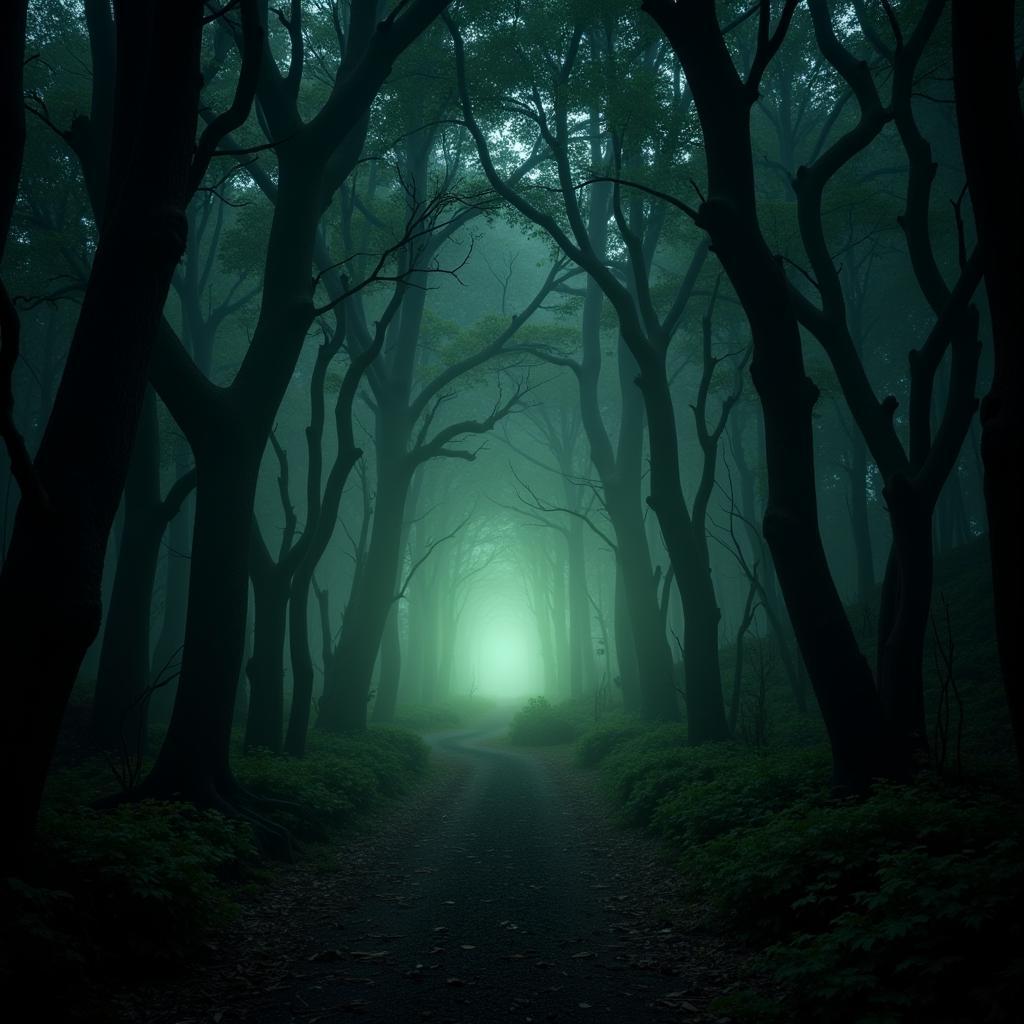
{"x": 339, "y": 777}
{"x": 141, "y": 883}
{"x": 596, "y": 744}
{"x": 909, "y": 899}
{"x": 540, "y": 723}
{"x": 904, "y": 905}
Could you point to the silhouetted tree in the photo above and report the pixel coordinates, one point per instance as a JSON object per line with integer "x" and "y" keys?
{"x": 991, "y": 125}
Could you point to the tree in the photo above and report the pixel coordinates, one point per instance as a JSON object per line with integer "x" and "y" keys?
{"x": 912, "y": 474}
{"x": 839, "y": 673}
{"x": 991, "y": 125}
{"x": 646, "y": 331}
{"x": 228, "y": 428}
{"x": 49, "y": 585}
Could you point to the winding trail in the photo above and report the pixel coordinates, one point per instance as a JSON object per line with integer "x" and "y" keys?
{"x": 497, "y": 892}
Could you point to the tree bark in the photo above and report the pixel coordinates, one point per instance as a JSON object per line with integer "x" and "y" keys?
{"x": 390, "y": 659}
{"x": 264, "y": 726}
{"x": 991, "y": 126}
{"x": 343, "y": 707}
{"x": 121, "y": 704}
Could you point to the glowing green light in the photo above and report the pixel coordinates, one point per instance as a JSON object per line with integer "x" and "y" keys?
{"x": 505, "y": 657}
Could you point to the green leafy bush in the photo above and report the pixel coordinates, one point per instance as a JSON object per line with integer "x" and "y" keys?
{"x": 597, "y": 743}
{"x": 337, "y": 779}
{"x": 141, "y": 883}
{"x": 903, "y": 906}
{"x": 541, "y": 723}
{"x": 911, "y": 899}
{"x": 723, "y": 788}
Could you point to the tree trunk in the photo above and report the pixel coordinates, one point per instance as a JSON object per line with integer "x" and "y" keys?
{"x": 390, "y": 657}
{"x": 167, "y": 652}
{"x": 581, "y": 662}
{"x": 264, "y": 723}
{"x": 302, "y": 663}
{"x": 193, "y": 762}
{"x": 347, "y": 686}
{"x": 860, "y": 528}
{"x": 687, "y": 548}
{"x": 903, "y": 627}
{"x": 625, "y": 647}
{"x": 119, "y": 708}
{"x": 655, "y": 692}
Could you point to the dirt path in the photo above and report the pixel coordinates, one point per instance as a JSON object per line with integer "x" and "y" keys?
{"x": 497, "y": 892}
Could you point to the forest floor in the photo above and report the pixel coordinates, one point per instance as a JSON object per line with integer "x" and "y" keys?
{"x": 499, "y": 890}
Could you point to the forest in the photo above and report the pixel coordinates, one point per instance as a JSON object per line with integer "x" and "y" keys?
{"x": 512, "y": 511}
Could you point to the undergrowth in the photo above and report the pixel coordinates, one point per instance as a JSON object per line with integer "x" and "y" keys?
{"x": 146, "y": 885}
{"x": 339, "y": 778}
{"x": 540, "y": 723}
{"x": 906, "y": 905}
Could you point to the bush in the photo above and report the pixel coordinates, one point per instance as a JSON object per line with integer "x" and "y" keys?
{"x": 141, "y": 884}
{"x": 912, "y": 898}
{"x": 339, "y": 777}
{"x": 905, "y": 905}
{"x": 596, "y": 744}
{"x": 541, "y": 723}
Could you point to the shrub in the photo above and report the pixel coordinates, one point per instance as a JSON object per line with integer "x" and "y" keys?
{"x": 540, "y": 723}
{"x": 339, "y": 777}
{"x": 902, "y": 906}
{"x": 596, "y": 744}
{"x": 141, "y": 883}
{"x": 911, "y": 899}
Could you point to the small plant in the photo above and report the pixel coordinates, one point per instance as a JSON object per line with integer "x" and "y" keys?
{"x": 540, "y": 723}
{"x": 338, "y": 778}
{"x": 142, "y": 883}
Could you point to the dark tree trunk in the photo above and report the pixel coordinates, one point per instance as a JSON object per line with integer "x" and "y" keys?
{"x": 167, "y": 652}
{"x": 655, "y": 693}
{"x": 49, "y": 587}
{"x": 991, "y": 125}
{"x": 264, "y": 723}
{"x": 860, "y": 528}
{"x": 343, "y": 707}
{"x": 625, "y": 647}
{"x": 903, "y": 626}
{"x": 581, "y": 661}
{"x": 193, "y": 762}
{"x": 390, "y": 660}
{"x": 302, "y": 663}
{"x": 687, "y": 548}
{"x": 119, "y": 709}
{"x": 446, "y": 655}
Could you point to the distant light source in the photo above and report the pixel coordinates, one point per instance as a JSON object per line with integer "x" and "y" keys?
{"x": 506, "y": 658}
